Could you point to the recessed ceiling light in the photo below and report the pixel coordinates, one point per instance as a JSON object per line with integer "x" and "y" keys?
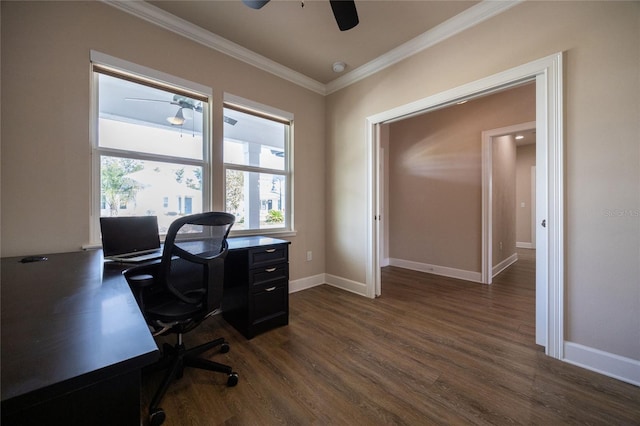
{"x": 518, "y": 137}
{"x": 462, "y": 102}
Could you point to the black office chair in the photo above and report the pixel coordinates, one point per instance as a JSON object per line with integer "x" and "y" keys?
{"x": 183, "y": 288}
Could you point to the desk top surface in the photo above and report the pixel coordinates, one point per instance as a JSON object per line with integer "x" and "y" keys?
{"x": 67, "y": 322}
{"x": 238, "y": 243}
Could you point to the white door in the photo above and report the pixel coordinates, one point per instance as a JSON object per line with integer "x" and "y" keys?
{"x": 542, "y": 194}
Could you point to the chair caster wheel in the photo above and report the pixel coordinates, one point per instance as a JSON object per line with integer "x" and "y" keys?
{"x": 224, "y": 348}
{"x": 232, "y": 380}
{"x": 157, "y": 417}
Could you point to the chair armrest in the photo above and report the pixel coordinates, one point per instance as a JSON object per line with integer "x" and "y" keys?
{"x": 140, "y": 278}
{"x": 141, "y": 281}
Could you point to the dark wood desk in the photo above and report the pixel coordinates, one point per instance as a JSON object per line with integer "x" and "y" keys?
{"x": 73, "y": 343}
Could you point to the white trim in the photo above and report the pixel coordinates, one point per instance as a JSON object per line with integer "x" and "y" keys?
{"x": 455, "y": 25}
{"x": 346, "y": 284}
{"x": 553, "y": 111}
{"x": 307, "y": 282}
{"x": 459, "y": 23}
{"x": 525, "y": 245}
{"x": 504, "y": 264}
{"x": 549, "y": 122}
{"x": 612, "y": 365}
{"x": 532, "y": 207}
{"x": 372, "y": 268}
{"x": 444, "y": 271}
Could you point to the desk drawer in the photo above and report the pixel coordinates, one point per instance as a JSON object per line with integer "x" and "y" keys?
{"x": 269, "y": 274}
{"x": 268, "y": 255}
{"x": 269, "y": 304}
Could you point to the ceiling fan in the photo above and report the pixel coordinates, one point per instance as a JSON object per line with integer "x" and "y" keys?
{"x": 184, "y": 103}
{"x": 343, "y": 10}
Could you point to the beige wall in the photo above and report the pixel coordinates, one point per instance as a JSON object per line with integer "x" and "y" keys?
{"x": 525, "y": 159}
{"x": 46, "y": 156}
{"x": 503, "y": 178}
{"x": 435, "y": 166}
{"x": 601, "y": 129}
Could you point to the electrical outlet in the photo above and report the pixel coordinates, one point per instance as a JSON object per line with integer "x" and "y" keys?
{"x": 309, "y": 256}
{"x": 500, "y": 245}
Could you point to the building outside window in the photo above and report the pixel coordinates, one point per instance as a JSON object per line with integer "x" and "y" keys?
{"x": 150, "y": 151}
{"x": 257, "y": 162}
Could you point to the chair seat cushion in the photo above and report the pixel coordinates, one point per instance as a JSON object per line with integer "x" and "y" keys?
{"x": 171, "y": 309}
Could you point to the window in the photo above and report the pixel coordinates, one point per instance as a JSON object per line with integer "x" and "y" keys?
{"x": 257, "y": 162}
{"x": 150, "y": 150}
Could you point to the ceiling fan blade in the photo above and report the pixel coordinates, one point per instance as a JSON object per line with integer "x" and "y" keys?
{"x": 255, "y": 4}
{"x": 345, "y": 13}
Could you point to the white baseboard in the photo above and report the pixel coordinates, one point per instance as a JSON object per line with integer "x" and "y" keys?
{"x": 525, "y": 245}
{"x": 332, "y": 280}
{"x": 437, "y": 270}
{"x": 348, "y": 285}
{"x": 504, "y": 264}
{"x": 616, "y": 366}
{"x": 305, "y": 283}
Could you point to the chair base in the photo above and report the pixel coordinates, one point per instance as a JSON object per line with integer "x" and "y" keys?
{"x": 175, "y": 359}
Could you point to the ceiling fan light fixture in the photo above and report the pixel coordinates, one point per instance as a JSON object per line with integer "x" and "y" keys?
{"x": 178, "y": 119}
{"x": 338, "y": 66}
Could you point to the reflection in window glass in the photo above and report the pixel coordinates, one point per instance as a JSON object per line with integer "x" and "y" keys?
{"x": 254, "y": 141}
{"x": 131, "y": 187}
{"x": 257, "y": 174}
{"x": 150, "y": 149}
{"x": 261, "y": 208}
{"x": 135, "y": 117}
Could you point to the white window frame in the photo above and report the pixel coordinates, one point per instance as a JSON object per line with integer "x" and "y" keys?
{"x": 142, "y": 73}
{"x": 259, "y": 109}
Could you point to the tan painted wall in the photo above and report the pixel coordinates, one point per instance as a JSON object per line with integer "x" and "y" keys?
{"x": 525, "y": 158}
{"x": 435, "y": 181}
{"x": 602, "y": 153}
{"x": 46, "y": 156}
{"x": 504, "y": 198}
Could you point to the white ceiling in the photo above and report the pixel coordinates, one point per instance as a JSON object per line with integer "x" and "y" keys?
{"x": 301, "y": 43}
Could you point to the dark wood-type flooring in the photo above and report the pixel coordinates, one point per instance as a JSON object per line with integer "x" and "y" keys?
{"x": 430, "y": 350}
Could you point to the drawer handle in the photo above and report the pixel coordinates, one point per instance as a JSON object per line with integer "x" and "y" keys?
{"x": 270, "y": 250}
{"x": 270, "y": 269}
{"x": 269, "y": 289}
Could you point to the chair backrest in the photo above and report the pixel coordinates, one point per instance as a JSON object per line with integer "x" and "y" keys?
{"x": 192, "y": 265}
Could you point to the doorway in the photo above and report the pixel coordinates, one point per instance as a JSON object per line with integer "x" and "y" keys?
{"x": 489, "y": 243}
{"x": 547, "y": 73}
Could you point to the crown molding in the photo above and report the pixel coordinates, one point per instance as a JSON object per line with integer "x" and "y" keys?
{"x": 157, "y": 16}
{"x": 457, "y": 24}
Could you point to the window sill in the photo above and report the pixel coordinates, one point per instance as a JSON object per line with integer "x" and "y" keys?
{"x": 266, "y": 233}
